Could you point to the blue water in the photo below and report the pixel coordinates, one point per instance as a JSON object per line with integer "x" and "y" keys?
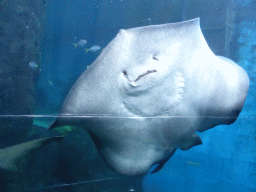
{"x": 226, "y": 161}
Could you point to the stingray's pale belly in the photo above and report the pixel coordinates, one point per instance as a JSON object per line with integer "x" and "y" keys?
{"x": 133, "y": 153}
{"x": 158, "y": 85}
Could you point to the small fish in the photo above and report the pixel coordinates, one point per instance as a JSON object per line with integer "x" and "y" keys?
{"x": 64, "y": 130}
{"x": 80, "y": 43}
{"x": 193, "y": 163}
{"x": 94, "y": 48}
{"x": 50, "y": 83}
{"x": 33, "y": 65}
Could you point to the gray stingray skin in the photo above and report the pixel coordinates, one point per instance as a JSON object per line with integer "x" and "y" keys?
{"x": 148, "y": 93}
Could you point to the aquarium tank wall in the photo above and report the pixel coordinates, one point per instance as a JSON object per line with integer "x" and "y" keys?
{"x": 157, "y": 107}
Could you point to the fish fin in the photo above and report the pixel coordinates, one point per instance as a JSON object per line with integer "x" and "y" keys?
{"x": 191, "y": 142}
{"x": 161, "y": 165}
{"x": 9, "y": 166}
{"x": 158, "y": 168}
{"x": 75, "y": 45}
{"x": 9, "y": 156}
{"x": 86, "y": 50}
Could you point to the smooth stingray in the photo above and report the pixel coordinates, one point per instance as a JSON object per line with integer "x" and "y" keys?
{"x": 148, "y": 93}
{"x": 9, "y": 156}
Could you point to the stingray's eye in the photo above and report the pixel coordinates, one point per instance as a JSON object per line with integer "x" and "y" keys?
{"x": 155, "y": 57}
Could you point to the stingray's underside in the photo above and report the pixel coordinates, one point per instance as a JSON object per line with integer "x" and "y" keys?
{"x": 148, "y": 93}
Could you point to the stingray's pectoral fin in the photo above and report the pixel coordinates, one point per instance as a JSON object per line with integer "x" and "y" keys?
{"x": 190, "y": 142}
{"x": 161, "y": 164}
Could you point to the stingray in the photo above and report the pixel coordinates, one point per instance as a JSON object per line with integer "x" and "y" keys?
{"x": 10, "y": 156}
{"x": 148, "y": 93}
